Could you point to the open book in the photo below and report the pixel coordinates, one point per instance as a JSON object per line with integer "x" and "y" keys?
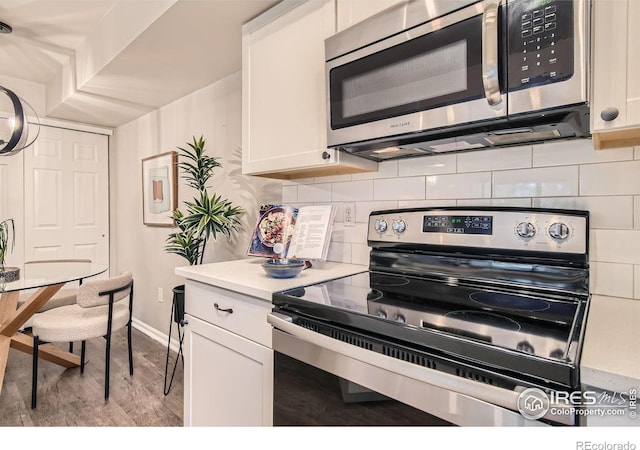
{"x": 287, "y": 232}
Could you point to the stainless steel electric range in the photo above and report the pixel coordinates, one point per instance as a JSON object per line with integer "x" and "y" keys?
{"x": 460, "y": 312}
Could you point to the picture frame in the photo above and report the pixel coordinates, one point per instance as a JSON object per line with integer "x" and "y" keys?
{"x": 159, "y": 189}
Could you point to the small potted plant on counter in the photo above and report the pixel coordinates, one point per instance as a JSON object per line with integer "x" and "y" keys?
{"x": 7, "y": 242}
{"x": 204, "y": 218}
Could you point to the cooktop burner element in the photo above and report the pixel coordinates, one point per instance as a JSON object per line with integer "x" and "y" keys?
{"x": 509, "y": 301}
{"x": 484, "y": 319}
{"x": 388, "y": 281}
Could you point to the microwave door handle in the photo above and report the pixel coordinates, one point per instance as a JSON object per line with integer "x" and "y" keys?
{"x": 490, "y": 53}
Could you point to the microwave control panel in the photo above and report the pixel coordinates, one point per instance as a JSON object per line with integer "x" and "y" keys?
{"x": 540, "y": 42}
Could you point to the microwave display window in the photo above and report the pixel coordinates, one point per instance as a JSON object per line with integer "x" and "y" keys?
{"x": 436, "y": 73}
{"x": 439, "y": 68}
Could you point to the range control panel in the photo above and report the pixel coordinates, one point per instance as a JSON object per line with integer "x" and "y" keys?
{"x": 540, "y": 43}
{"x": 504, "y": 228}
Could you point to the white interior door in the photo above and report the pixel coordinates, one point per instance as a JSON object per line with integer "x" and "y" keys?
{"x": 66, "y": 196}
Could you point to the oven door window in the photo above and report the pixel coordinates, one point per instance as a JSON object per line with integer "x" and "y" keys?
{"x": 440, "y": 68}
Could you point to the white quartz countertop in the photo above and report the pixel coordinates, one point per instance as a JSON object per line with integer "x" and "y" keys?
{"x": 611, "y": 348}
{"x": 247, "y": 277}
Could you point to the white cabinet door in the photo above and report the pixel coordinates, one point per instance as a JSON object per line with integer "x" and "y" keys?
{"x": 351, "y": 12}
{"x": 66, "y": 191}
{"x": 228, "y": 379}
{"x": 284, "y": 99}
{"x": 615, "y": 110}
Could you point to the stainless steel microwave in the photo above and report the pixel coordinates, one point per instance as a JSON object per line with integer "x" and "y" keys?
{"x": 431, "y": 76}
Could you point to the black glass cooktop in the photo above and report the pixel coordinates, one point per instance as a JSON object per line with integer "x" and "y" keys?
{"x": 491, "y": 325}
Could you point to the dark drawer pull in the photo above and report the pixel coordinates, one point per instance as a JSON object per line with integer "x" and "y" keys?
{"x": 227, "y": 310}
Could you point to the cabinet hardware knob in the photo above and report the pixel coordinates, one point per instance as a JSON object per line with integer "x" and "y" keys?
{"x": 326, "y": 155}
{"x": 609, "y": 114}
{"x": 227, "y": 310}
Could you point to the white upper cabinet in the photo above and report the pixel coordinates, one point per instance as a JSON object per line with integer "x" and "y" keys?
{"x": 351, "y": 12}
{"x": 615, "y": 110}
{"x": 284, "y": 106}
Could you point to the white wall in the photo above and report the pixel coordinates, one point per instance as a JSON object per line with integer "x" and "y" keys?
{"x": 215, "y": 113}
{"x": 568, "y": 174}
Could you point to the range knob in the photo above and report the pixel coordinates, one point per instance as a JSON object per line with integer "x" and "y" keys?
{"x": 399, "y": 226}
{"x": 559, "y": 231}
{"x": 382, "y": 314}
{"x": 381, "y": 225}
{"x": 525, "y": 230}
{"x": 400, "y": 318}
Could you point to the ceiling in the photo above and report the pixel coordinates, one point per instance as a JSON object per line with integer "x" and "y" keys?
{"x": 107, "y": 62}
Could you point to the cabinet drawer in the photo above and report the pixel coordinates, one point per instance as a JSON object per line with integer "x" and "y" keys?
{"x": 240, "y": 314}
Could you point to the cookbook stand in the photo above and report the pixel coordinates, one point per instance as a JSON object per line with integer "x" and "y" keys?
{"x": 177, "y": 316}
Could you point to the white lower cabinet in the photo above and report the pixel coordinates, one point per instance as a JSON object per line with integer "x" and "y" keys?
{"x": 228, "y": 379}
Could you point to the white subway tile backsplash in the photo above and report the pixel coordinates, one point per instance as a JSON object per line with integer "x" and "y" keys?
{"x": 289, "y": 193}
{"x": 360, "y": 254}
{"x": 357, "y": 234}
{"x": 352, "y": 191}
{"x": 498, "y": 159}
{"x": 612, "y": 279}
{"x": 467, "y": 185}
{"x": 577, "y": 151}
{"x": 363, "y": 209}
{"x": 431, "y": 165}
{"x": 411, "y": 188}
{"x": 619, "y": 178}
{"x": 604, "y": 212}
{"x": 425, "y": 203}
{"x": 339, "y": 252}
{"x": 616, "y": 246}
{"x": 519, "y": 202}
{"x": 386, "y": 169}
{"x": 543, "y": 182}
{"x": 566, "y": 175}
{"x": 314, "y": 192}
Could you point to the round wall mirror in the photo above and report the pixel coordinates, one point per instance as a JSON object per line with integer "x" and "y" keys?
{"x": 16, "y": 132}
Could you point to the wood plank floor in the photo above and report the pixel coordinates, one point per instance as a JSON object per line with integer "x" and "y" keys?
{"x": 67, "y": 398}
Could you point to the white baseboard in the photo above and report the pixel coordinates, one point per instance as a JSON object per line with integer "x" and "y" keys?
{"x": 155, "y": 334}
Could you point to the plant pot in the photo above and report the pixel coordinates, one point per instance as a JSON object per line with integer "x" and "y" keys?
{"x": 9, "y": 274}
{"x": 178, "y": 304}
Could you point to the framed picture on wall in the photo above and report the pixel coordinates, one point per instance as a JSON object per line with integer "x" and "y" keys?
{"x": 159, "y": 189}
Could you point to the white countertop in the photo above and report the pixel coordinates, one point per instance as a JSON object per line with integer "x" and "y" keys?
{"x": 611, "y": 348}
{"x": 247, "y": 277}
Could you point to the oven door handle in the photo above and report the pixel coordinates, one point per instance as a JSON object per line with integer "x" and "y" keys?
{"x": 490, "y": 78}
{"x": 491, "y": 394}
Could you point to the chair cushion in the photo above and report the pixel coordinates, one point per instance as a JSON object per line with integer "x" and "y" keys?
{"x": 74, "y": 323}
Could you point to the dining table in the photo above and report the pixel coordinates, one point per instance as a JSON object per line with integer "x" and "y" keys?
{"x": 20, "y": 299}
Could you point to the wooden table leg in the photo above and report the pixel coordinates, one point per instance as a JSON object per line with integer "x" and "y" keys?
{"x": 4, "y": 356}
{"x": 8, "y": 306}
{"x": 28, "y": 309}
{"x": 11, "y": 319}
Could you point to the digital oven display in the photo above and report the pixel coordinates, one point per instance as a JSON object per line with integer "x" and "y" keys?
{"x": 458, "y": 224}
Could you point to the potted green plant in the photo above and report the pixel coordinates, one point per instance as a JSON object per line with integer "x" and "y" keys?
{"x": 204, "y": 218}
{"x": 7, "y": 242}
{"x": 207, "y": 215}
